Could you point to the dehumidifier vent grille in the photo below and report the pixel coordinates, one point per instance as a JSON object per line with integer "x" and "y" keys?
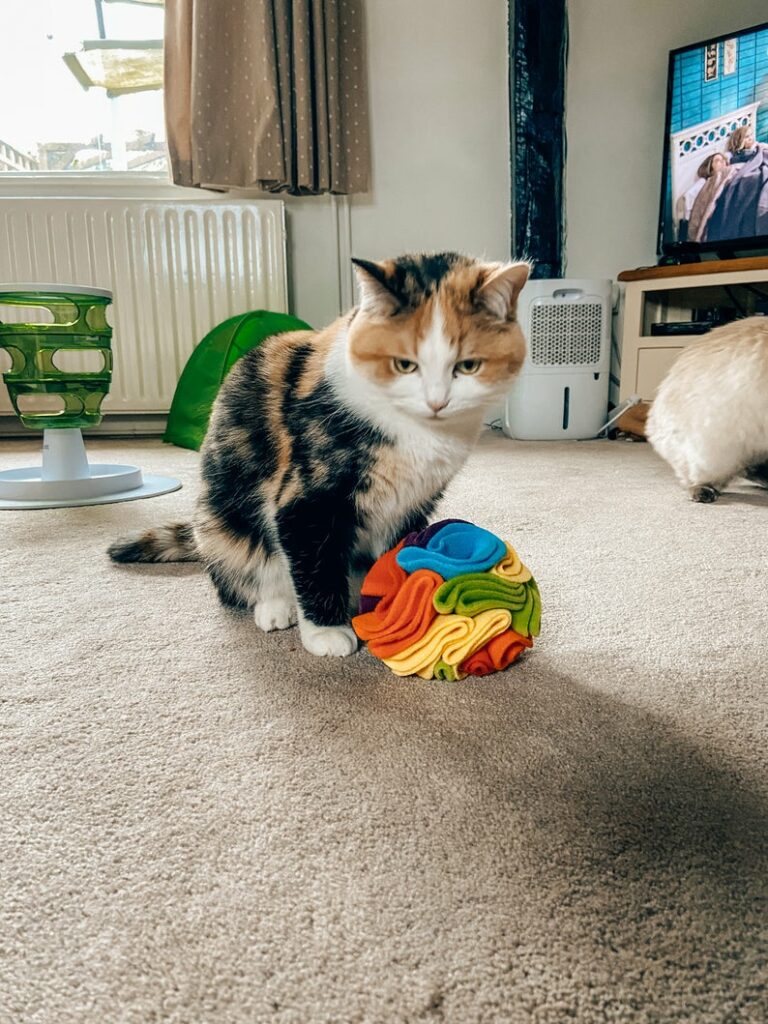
{"x": 565, "y": 333}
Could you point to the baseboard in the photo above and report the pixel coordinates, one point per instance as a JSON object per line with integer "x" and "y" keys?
{"x": 116, "y": 425}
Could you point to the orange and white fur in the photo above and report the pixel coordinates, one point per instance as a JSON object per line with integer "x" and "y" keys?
{"x": 709, "y": 419}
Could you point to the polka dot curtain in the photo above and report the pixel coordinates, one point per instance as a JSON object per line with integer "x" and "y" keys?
{"x": 268, "y": 94}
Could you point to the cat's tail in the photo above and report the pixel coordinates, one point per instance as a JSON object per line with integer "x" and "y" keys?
{"x": 173, "y": 542}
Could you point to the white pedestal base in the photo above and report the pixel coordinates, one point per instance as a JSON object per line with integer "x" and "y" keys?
{"x": 66, "y": 479}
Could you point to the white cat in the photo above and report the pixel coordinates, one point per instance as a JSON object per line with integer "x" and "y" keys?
{"x": 709, "y": 419}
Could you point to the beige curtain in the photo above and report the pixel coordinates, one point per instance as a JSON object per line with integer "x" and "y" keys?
{"x": 268, "y": 94}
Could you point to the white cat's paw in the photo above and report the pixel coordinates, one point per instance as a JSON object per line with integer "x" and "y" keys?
{"x": 275, "y": 614}
{"x": 324, "y": 641}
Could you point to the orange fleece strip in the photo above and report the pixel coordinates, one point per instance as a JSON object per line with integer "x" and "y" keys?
{"x": 497, "y": 654}
{"x": 384, "y": 579}
{"x": 401, "y": 618}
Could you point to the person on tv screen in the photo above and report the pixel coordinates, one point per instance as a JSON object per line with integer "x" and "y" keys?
{"x": 686, "y": 201}
{"x": 741, "y": 209}
{"x": 716, "y": 172}
{"x": 741, "y": 144}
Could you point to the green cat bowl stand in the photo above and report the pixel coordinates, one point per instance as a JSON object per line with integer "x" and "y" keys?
{"x": 65, "y": 477}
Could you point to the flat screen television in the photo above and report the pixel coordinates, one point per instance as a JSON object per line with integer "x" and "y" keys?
{"x": 714, "y": 194}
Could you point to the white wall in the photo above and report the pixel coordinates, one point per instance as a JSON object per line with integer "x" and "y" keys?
{"x": 440, "y": 148}
{"x": 616, "y": 99}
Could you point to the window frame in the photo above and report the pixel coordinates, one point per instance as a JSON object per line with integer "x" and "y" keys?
{"x": 28, "y": 184}
{"x": 80, "y": 183}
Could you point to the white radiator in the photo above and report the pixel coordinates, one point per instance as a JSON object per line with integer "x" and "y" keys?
{"x": 176, "y": 268}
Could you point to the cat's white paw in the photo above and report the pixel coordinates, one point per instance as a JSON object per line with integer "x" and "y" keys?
{"x": 275, "y": 614}
{"x": 324, "y": 641}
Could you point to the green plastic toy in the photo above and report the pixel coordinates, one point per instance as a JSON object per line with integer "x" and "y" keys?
{"x": 209, "y": 364}
{"x": 65, "y": 477}
{"x": 79, "y": 324}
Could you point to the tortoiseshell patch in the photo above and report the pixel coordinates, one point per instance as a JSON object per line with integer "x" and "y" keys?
{"x": 298, "y": 480}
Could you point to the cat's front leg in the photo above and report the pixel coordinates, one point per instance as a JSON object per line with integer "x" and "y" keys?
{"x": 317, "y": 536}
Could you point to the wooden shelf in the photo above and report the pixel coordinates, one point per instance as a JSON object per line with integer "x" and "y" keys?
{"x": 695, "y": 269}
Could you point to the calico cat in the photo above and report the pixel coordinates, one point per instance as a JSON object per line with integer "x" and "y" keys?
{"x": 709, "y": 419}
{"x": 324, "y": 448}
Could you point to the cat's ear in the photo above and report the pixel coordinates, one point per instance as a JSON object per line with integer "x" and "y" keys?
{"x": 375, "y": 293}
{"x": 501, "y": 287}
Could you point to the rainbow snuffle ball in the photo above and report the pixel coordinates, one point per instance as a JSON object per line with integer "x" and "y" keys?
{"x": 451, "y": 601}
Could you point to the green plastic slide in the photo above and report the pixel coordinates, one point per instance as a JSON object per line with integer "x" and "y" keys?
{"x": 209, "y": 364}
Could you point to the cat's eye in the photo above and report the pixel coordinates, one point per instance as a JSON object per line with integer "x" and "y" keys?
{"x": 468, "y": 366}
{"x": 405, "y": 365}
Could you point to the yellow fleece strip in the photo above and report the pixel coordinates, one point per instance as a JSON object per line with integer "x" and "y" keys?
{"x": 450, "y": 638}
{"x": 485, "y": 627}
{"x": 511, "y": 568}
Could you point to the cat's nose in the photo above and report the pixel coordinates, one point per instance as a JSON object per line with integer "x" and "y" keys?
{"x": 437, "y": 404}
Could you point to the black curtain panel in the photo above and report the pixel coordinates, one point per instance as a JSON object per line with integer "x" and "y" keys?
{"x": 539, "y": 54}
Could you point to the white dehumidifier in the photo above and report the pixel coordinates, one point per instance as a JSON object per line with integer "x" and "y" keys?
{"x": 562, "y": 389}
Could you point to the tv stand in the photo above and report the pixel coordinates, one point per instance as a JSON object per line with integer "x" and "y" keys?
{"x": 677, "y": 293}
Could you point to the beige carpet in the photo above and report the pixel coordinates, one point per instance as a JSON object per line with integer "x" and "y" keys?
{"x": 204, "y": 825}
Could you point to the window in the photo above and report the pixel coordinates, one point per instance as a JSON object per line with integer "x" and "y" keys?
{"x": 81, "y": 82}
